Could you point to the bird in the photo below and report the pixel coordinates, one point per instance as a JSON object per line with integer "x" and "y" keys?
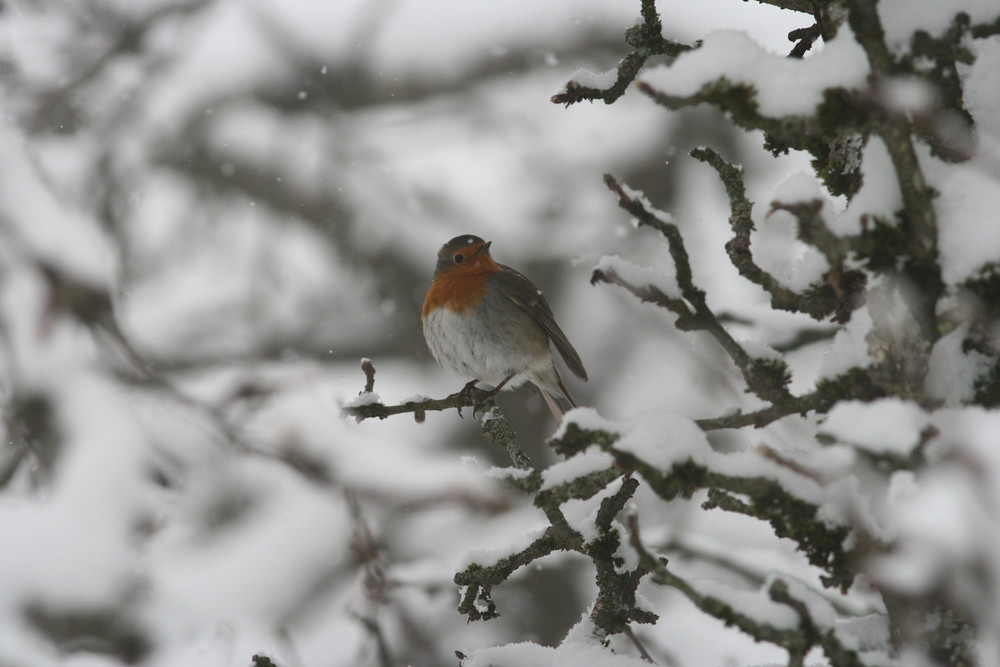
{"x": 488, "y": 324}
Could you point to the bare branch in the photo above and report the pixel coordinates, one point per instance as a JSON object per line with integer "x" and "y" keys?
{"x": 494, "y": 424}
{"x": 647, "y": 41}
{"x": 369, "y": 370}
{"x": 764, "y": 377}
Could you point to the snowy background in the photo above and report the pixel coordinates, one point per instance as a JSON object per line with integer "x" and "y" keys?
{"x": 258, "y": 190}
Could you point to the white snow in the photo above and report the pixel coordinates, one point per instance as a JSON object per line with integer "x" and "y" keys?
{"x": 365, "y": 398}
{"x": 879, "y": 194}
{"x": 507, "y": 473}
{"x": 939, "y": 524}
{"x": 587, "y": 419}
{"x": 908, "y": 95}
{"x": 581, "y": 514}
{"x": 490, "y": 557}
{"x": 784, "y": 86}
{"x": 944, "y": 517}
{"x": 952, "y": 371}
{"x": 888, "y": 425}
{"x": 967, "y": 204}
{"x": 37, "y": 222}
{"x": 602, "y": 80}
{"x": 254, "y": 569}
{"x": 981, "y": 81}
{"x": 664, "y": 279}
{"x": 564, "y": 472}
{"x": 849, "y": 348}
{"x": 755, "y": 604}
{"x": 774, "y": 242}
{"x": 580, "y": 647}
{"x": 799, "y": 187}
{"x": 758, "y": 350}
{"x": 98, "y": 495}
{"x": 662, "y": 439}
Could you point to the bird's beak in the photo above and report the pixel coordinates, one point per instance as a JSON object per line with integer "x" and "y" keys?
{"x": 483, "y": 248}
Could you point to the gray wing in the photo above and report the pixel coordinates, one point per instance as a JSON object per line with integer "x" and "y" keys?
{"x": 526, "y": 296}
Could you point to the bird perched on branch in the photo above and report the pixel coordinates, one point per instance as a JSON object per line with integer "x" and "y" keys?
{"x": 488, "y": 324}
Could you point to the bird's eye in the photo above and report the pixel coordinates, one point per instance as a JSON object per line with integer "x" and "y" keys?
{"x": 459, "y": 258}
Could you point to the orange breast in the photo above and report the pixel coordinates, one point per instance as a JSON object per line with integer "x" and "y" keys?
{"x": 459, "y": 288}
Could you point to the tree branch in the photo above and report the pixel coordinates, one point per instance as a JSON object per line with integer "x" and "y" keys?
{"x": 493, "y": 423}
{"x": 790, "y": 516}
{"x": 797, "y": 641}
{"x": 803, "y": 6}
{"x": 837, "y": 295}
{"x": 647, "y": 41}
{"x": 828, "y": 134}
{"x": 765, "y": 377}
{"x": 919, "y": 220}
{"x": 615, "y": 606}
{"x": 479, "y": 579}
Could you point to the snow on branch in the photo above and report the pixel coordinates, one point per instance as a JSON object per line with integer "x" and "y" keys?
{"x": 765, "y": 484}
{"x": 798, "y": 636}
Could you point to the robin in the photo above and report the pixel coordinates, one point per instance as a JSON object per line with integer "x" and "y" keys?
{"x": 486, "y": 323}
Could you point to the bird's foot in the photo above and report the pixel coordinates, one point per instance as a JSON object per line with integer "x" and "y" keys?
{"x": 464, "y": 394}
{"x": 479, "y": 396}
{"x": 487, "y": 395}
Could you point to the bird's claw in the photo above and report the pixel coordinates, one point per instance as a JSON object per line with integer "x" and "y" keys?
{"x": 478, "y": 397}
{"x": 463, "y": 396}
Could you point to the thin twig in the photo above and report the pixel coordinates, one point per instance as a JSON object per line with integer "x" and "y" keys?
{"x": 493, "y": 422}
{"x": 369, "y": 370}
{"x": 647, "y": 41}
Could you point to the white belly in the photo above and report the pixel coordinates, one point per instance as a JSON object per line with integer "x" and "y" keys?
{"x": 471, "y": 351}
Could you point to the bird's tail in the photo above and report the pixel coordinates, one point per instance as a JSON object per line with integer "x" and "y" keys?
{"x": 556, "y": 395}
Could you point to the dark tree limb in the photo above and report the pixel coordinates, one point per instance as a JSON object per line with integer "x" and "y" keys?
{"x": 804, "y": 39}
{"x": 615, "y": 606}
{"x": 478, "y": 580}
{"x": 376, "y": 582}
